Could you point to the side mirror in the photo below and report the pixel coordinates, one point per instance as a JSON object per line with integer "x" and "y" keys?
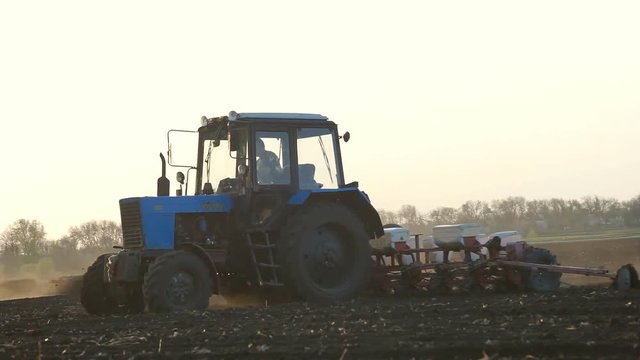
{"x": 180, "y": 177}
{"x": 346, "y": 136}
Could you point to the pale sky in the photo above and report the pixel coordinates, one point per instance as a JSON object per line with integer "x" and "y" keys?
{"x": 446, "y": 101}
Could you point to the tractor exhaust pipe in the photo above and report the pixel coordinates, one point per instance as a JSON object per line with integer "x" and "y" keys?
{"x": 163, "y": 182}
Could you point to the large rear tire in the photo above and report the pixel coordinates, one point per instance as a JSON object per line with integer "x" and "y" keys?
{"x": 541, "y": 280}
{"x": 94, "y": 295}
{"x": 325, "y": 253}
{"x": 177, "y": 281}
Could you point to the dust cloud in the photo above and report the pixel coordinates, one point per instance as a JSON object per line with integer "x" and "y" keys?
{"x": 27, "y": 285}
{"x": 235, "y": 301}
{"x": 30, "y": 287}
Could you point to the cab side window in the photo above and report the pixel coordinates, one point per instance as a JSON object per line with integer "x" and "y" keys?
{"x": 272, "y": 158}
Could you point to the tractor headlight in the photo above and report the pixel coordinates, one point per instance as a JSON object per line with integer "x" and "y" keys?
{"x": 205, "y": 121}
{"x": 242, "y": 169}
{"x": 233, "y": 116}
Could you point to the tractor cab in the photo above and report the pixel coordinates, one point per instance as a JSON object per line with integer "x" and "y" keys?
{"x": 262, "y": 160}
{"x": 271, "y": 150}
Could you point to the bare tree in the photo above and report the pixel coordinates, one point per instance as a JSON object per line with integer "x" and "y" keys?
{"x": 388, "y": 217}
{"x": 632, "y": 211}
{"x": 96, "y": 234}
{"x": 443, "y": 215}
{"x": 602, "y": 208}
{"x": 10, "y": 245}
{"x": 65, "y": 255}
{"x": 409, "y": 215}
{"x": 512, "y": 208}
{"x": 24, "y": 237}
{"x": 63, "y": 247}
{"x": 474, "y": 212}
{"x": 537, "y": 209}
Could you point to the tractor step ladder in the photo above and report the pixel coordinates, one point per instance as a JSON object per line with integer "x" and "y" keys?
{"x": 268, "y": 264}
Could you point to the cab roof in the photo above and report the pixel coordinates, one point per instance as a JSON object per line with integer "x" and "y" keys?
{"x": 277, "y": 119}
{"x": 276, "y": 116}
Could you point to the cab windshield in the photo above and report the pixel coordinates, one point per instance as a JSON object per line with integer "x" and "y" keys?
{"x": 317, "y": 159}
{"x": 221, "y": 160}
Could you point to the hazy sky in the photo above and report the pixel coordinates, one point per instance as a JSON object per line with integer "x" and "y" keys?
{"x": 446, "y": 101}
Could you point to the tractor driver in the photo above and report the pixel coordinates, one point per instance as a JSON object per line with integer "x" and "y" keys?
{"x": 268, "y": 165}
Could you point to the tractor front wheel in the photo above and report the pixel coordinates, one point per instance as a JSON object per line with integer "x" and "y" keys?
{"x": 326, "y": 254}
{"x": 94, "y": 295}
{"x": 177, "y": 281}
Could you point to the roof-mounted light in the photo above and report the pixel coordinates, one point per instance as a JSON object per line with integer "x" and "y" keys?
{"x": 233, "y": 116}
{"x": 205, "y": 121}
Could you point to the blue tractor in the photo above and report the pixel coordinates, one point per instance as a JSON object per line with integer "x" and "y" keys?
{"x": 268, "y": 211}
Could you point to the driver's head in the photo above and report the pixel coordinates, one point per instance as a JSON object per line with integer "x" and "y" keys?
{"x": 260, "y": 147}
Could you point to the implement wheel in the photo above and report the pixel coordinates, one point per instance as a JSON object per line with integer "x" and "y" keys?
{"x": 177, "y": 281}
{"x": 325, "y": 253}
{"x": 541, "y": 280}
{"x": 626, "y": 278}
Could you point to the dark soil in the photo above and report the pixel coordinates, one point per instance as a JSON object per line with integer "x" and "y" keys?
{"x": 573, "y": 323}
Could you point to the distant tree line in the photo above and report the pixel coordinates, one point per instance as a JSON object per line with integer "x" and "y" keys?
{"x": 517, "y": 213}
{"x": 24, "y": 244}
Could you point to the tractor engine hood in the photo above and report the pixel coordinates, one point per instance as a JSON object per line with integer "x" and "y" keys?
{"x": 148, "y": 222}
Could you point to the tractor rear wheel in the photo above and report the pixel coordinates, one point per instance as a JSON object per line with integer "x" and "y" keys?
{"x": 541, "y": 280}
{"x": 177, "y": 281}
{"x": 94, "y": 295}
{"x": 325, "y": 252}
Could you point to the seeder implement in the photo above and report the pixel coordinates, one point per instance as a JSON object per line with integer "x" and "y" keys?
{"x": 495, "y": 265}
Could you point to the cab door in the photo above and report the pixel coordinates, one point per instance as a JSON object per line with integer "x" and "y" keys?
{"x": 273, "y": 169}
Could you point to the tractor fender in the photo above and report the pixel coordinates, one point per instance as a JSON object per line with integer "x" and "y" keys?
{"x": 208, "y": 258}
{"x": 352, "y": 198}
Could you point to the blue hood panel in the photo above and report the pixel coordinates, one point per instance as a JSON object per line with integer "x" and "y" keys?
{"x": 185, "y": 204}
{"x": 159, "y": 214}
